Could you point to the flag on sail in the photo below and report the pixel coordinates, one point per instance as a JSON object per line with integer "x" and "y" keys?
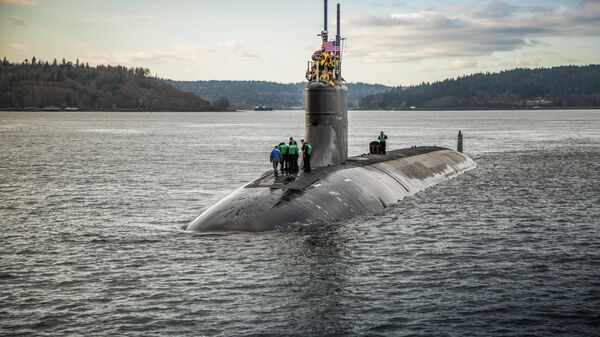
{"x": 331, "y": 46}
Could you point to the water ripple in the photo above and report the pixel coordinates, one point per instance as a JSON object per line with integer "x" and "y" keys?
{"x": 92, "y": 240}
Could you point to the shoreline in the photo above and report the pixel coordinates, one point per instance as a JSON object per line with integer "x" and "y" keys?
{"x": 349, "y": 109}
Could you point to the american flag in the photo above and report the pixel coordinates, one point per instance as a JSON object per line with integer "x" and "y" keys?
{"x": 331, "y": 46}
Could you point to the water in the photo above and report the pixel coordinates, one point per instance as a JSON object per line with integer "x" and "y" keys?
{"x": 93, "y": 204}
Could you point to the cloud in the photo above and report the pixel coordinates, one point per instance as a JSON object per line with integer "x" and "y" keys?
{"x": 224, "y": 51}
{"x": 18, "y": 47}
{"x": 471, "y": 32}
{"x": 19, "y": 2}
{"x": 134, "y": 17}
{"x": 77, "y": 45}
{"x": 463, "y": 64}
{"x": 388, "y": 3}
{"x": 494, "y": 9}
{"x": 120, "y": 18}
{"x": 17, "y": 20}
{"x": 525, "y": 63}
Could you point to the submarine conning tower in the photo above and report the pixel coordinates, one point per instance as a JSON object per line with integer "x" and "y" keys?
{"x": 325, "y": 99}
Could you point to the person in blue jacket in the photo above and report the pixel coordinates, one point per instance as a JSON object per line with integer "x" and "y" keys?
{"x": 275, "y": 158}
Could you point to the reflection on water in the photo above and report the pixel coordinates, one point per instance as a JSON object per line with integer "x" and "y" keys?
{"x": 92, "y": 242}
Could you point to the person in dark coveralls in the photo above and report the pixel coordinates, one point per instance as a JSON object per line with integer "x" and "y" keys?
{"x": 382, "y": 138}
{"x": 306, "y": 154}
{"x": 275, "y": 158}
{"x": 284, "y": 158}
{"x": 293, "y": 155}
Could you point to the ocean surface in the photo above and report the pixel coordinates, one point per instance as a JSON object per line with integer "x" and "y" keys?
{"x": 93, "y": 205}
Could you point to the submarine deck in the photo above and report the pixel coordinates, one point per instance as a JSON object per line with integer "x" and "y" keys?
{"x": 303, "y": 180}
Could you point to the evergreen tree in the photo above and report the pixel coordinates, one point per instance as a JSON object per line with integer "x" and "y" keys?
{"x": 32, "y": 84}
{"x": 566, "y": 86}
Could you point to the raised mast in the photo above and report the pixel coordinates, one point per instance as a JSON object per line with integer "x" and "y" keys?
{"x": 324, "y": 33}
{"x": 337, "y": 35}
{"x": 338, "y": 43}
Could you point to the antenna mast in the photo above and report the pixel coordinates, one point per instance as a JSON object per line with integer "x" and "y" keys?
{"x": 324, "y": 33}
{"x": 338, "y": 43}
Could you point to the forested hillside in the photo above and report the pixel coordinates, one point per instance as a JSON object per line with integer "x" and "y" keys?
{"x": 34, "y": 84}
{"x": 558, "y": 87}
{"x": 248, "y": 94}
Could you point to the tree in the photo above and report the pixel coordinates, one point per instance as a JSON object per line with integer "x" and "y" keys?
{"x": 33, "y": 61}
{"x": 102, "y": 87}
{"x": 222, "y": 104}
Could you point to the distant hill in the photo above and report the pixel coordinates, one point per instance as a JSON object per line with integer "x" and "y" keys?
{"x": 34, "y": 85}
{"x": 248, "y": 94}
{"x": 558, "y": 87}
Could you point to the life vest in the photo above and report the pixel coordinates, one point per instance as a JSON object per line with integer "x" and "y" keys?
{"x": 283, "y": 148}
{"x": 293, "y": 149}
{"x": 382, "y": 138}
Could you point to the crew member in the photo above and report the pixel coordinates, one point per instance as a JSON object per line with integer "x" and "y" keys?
{"x": 293, "y": 156}
{"x": 306, "y": 154}
{"x": 284, "y": 158}
{"x": 382, "y": 138}
{"x": 302, "y": 149}
{"x": 275, "y": 158}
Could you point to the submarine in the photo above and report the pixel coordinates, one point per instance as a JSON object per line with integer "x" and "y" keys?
{"x": 338, "y": 187}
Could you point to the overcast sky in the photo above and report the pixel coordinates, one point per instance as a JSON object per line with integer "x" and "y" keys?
{"x": 394, "y": 42}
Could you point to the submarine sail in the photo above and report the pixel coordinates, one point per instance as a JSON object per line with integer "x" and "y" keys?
{"x": 325, "y": 101}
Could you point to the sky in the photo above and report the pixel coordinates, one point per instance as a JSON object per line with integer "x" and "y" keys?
{"x": 393, "y": 42}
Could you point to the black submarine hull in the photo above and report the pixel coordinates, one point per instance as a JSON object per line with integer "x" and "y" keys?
{"x": 363, "y": 185}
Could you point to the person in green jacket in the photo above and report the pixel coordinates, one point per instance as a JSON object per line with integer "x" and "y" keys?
{"x": 293, "y": 156}
{"x": 284, "y": 158}
{"x": 306, "y": 155}
{"x": 382, "y": 138}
